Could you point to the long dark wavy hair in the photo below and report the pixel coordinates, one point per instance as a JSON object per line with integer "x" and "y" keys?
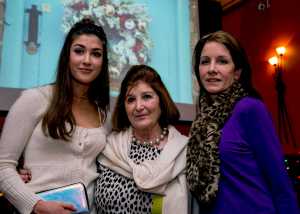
{"x": 238, "y": 55}
{"x": 169, "y": 112}
{"x": 58, "y": 121}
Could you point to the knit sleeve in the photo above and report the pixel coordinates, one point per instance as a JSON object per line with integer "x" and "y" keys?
{"x": 19, "y": 125}
{"x": 261, "y": 135}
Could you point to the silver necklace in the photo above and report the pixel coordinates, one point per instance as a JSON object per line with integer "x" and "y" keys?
{"x": 154, "y": 142}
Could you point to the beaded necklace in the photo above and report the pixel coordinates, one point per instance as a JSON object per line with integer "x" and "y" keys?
{"x": 154, "y": 142}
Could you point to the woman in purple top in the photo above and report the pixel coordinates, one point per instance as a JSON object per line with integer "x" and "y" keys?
{"x": 234, "y": 159}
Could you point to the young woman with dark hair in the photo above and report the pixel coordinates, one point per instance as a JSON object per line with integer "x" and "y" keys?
{"x": 59, "y": 128}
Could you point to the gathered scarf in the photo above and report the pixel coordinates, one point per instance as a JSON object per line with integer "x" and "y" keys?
{"x": 203, "y": 161}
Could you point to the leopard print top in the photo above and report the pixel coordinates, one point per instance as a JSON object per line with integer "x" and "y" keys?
{"x": 116, "y": 194}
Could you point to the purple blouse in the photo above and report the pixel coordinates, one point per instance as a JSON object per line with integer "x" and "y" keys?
{"x": 253, "y": 175}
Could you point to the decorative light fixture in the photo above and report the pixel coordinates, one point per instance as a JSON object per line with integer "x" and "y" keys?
{"x": 280, "y": 50}
{"x": 273, "y": 60}
{"x": 285, "y": 131}
{"x": 263, "y": 5}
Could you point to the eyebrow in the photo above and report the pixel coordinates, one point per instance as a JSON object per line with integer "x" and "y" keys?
{"x": 82, "y": 46}
{"x": 205, "y": 56}
{"x": 149, "y": 92}
{"x": 145, "y": 92}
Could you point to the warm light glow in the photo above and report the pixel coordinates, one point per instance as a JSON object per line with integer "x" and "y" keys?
{"x": 280, "y": 50}
{"x": 273, "y": 60}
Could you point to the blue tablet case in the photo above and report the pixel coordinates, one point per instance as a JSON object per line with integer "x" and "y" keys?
{"x": 73, "y": 194}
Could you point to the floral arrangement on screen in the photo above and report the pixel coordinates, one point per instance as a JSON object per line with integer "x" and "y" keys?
{"x": 125, "y": 23}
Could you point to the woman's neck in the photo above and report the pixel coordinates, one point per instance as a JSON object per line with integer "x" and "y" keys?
{"x": 80, "y": 92}
{"x": 147, "y": 134}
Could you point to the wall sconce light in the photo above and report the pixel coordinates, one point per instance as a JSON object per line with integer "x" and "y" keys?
{"x": 273, "y": 61}
{"x": 280, "y": 50}
{"x": 285, "y": 131}
{"x": 263, "y": 5}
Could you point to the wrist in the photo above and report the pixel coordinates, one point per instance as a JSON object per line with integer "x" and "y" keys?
{"x": 38, "y": 207}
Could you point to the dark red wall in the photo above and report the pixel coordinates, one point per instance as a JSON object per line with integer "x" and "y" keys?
{"x": 260, "y": 32}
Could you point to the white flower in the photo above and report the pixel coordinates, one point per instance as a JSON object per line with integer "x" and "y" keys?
{"x": 109, "y": 10}
{"x": 93, "y": 3}
{"x": 86, "y": 12}
{"x": 129, "y": 24}
{"x": 142, "y": 55}
{"x": 142, "y": 25}
{"x": 119, "y": 48}
{"x": 114, "y": 71}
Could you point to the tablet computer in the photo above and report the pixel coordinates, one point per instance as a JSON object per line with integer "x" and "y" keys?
{"x": 74, "y": 194}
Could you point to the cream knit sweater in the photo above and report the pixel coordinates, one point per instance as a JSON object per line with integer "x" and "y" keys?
{"x": 53, "y": 163}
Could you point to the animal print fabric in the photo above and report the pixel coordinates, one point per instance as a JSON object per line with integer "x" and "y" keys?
{"x": 116, "y": 194}
{"x": 203, "y": 161}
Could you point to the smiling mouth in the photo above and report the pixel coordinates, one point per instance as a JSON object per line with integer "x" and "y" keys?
{"x": 212, "y": 80}
{"x": 86, "y": 70}
{"x": 142, "y": 116}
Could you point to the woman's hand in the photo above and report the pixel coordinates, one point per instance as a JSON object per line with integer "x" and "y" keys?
{"x": 46, "y": 207}
{"x": 53, "y": 207}
{"x": 25, "y": 174}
